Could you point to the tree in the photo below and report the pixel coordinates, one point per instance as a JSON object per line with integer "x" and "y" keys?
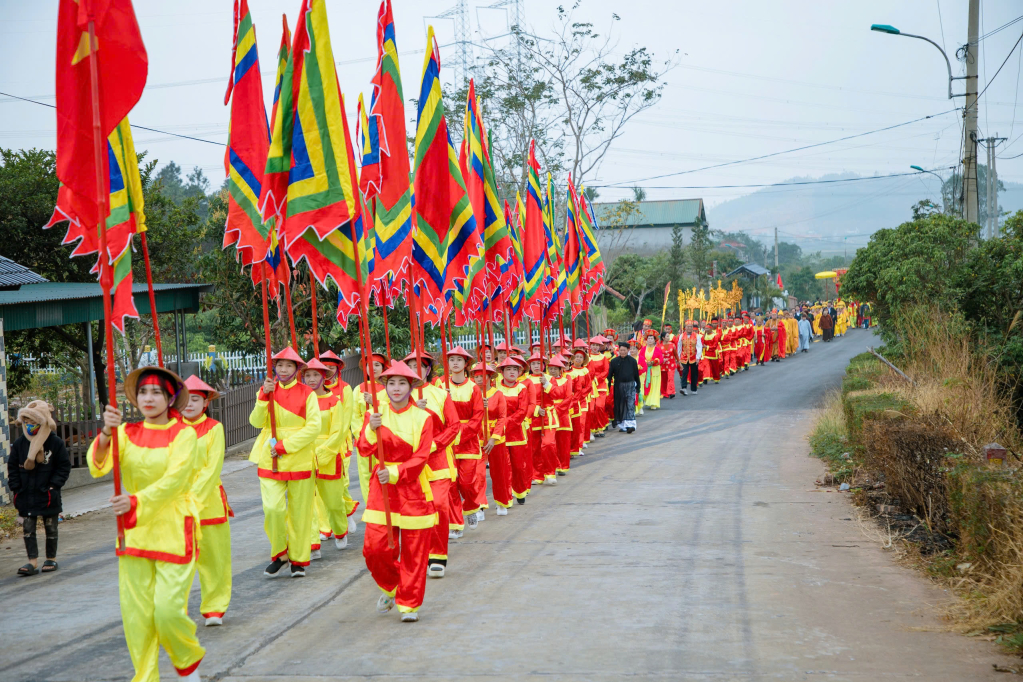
{"x": 637, "y": 277}
{"x": 925, "y": 208}
{"x": 699, "y": 253}
{"x": 572, "y": 91}
{"x": 952, "y": 195}
{"x": 677, "y": 257}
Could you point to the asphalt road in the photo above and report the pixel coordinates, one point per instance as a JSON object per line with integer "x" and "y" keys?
{"x": 695, "y": 549}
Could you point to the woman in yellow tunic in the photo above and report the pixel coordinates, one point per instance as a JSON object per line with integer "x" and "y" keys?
{"x": 363, "y": 401}
{"x": 159, "y": 460}
{"x": 339, "y": 387}
{"x": 650, "y": 360}
{"x": 214, "y": 563}
{"x": 330, "y": 480}
{"x": 285, "y": 464}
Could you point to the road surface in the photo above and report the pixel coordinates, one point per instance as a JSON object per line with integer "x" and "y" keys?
{"x": 695, "y": 549}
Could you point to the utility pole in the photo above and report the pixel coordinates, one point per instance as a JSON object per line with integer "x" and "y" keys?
{"x": 463, "y": 62}
{"x": 776, "y": 249}
{"x": 970, "y": 203}
{"x": 991, "y": 187}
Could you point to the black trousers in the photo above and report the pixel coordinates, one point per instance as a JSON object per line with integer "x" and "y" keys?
{"x": 690, "y": 371}
{"x": 28, "y": 528}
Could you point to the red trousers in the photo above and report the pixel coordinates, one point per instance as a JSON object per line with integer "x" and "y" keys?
{"x": 609, "y": 408}
{"x": 469, "y": 487}
{"x": 563, "y": 448}
{"x": 481, "y": 481}
{"x": 456, "y": 520}
{"x": 536, "y": 453}
{"x": 442, "y": 502}
{"x": 545, "y": 454}
{"x": 501, "y": 475}
{"x": 521, "y": 469}
{"x": 400, "y": 571}
{"x": 715, "y": 368}
{"x": 578, "y": 432}
{"x": 598, "y": 413}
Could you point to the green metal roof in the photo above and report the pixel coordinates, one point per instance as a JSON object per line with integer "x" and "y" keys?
{"x": 665, "y": 213}
{"x": 52, "y": 304}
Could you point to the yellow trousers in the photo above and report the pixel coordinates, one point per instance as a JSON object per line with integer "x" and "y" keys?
{"x": 331, "y": 515}
{"x": 350, "y": 503}
{"x": 363, "y": 465}
{"x": 214, "y": 566}
{"x": 154, "y": 611}
{"x": 287, "y": 517}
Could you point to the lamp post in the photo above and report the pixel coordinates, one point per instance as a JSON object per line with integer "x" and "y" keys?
{"x": 942, "y": 186}
{"x": 891, "y": 30}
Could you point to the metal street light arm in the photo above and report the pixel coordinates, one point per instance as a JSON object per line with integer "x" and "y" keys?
{"x": 891, "y": 30}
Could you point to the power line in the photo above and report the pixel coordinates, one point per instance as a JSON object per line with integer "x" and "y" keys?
{"x": 787, "y": 151}
{"x": 1000, "y": 67}
{"x": 777, "y": 184}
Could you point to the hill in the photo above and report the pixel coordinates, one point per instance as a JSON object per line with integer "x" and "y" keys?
{"x": 826, "y": 217}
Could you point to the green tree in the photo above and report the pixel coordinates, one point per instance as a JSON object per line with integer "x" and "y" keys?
{"x": 699, "y": 254}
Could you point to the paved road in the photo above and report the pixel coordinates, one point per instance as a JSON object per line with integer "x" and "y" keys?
{"x": 696, "y": 548}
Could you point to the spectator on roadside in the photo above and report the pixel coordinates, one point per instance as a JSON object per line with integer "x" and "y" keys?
{"x": 37, "y": 469}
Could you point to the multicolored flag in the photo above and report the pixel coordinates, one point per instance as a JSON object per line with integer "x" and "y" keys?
{"x": 445, "y": 236}
{"x": 534, "y": 243}
{"x": 573, "y": 259}
{"x": 121, "y": 66}
{"x": 558, "y": 283}
{"x": 127, "y": 216}
{"x": 309, "y": 179}
{"x": 388, "y": 181}
{"x": 594, "y": 263}
{"x": 247, "y": 143}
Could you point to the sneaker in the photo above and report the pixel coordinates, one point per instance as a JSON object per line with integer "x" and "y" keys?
{"x": 457, "y": 535}
{"x": 623, "y": 430}
{"x": 435, "y": 571}
{"x": 537, "y": 481}
{"x": 313, "y": 555}
{"x": 274, "y": 569}
{"x": 410, "y": 617}
{"x": 520, "y": 500}
{"x": 191, "y": 677}
{"x": 341, "y": 543}
{"x": 550, "y": 480}
{"x": 631, "y": 429}
{"x": 684, "y": 392}
{"x": 501, "y": 511}
{"x": 562, "y": 473}
{"x": 385, "y": 603}
{"x": 472, "y": 521}
{"x": 214, "y": 620}
{"x": 479, "y": 515}
{"x": 352, "y": 525}
{"x": 453, "y": 535}
{"x": 297, "y": 571}
{"x": 324, "y": 536}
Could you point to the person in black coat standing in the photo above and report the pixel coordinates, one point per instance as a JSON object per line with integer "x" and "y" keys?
{"x": 37, "y": 469}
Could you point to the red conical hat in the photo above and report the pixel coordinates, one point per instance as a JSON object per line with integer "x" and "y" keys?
{"x": 289, "y": 353}
{"x": 509, "y": 362}
{"x": 196, "y": 385}
{"x": 318, "y": 366}
{"x": 412, "y": 356}
{"x": 556, "y": 361}
{"x": 462, "y": 353}
{"x": 400, "y": 369}
{"x": 330, "y": 357}
{"x": 480, "y": 368}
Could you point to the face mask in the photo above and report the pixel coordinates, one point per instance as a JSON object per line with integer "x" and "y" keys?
{"x": 31, "y": 429}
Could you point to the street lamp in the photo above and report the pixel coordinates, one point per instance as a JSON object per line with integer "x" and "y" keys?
{"x": 891, "y": 30}
{"x": 942, "y": 186}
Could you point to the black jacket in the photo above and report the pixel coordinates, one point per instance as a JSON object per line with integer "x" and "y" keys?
{"x": 37, "y": 491}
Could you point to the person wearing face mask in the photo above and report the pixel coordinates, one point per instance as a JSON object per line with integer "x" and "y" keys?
{"x": 329, "y": 493}
{"x": 37, "y": 469}
{"x": 214, "y": 563}
{"x": 405, "y": 433}
{"x": 285, "y": 464}
{"x": 159, "y": 460}
{"x": 440, "y": 467}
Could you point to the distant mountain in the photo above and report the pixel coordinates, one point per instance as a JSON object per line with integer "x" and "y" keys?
{"x": 818, "y": 217}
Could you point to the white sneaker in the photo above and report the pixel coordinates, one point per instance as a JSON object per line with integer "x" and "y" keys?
{"x": 324, "y": 537}
{"x": 410, "y": 617}
{"x": 550, "y": 480}
{"x": 214, "y": 620}
{"x": 341, "y": 543}
{"x": 457, "y": 534}
{"x": 501, "y": 511}
{"x": 471, "y": 521}
{"x": 315, "y": 554}
{"x": 352, "y": 525}
{"x": 479, "y": 515}
{"x": 191, "y": 677}
{"x": 385, "y": 603}
{"x": 435, "y": 571}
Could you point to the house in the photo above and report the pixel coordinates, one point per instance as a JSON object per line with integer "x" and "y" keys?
{"x": 648, "y": 229}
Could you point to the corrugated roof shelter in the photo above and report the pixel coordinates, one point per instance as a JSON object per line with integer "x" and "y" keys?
{"x": 649, "y": 228}
{"x": 749, "y": 270}
{"x": 13, "y": 275}
{"x": 51, "y": 304}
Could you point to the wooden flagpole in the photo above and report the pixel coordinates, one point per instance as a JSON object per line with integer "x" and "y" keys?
{"x": 313, "y": 308}
{"x": 152, "y": 300}
{"x": 413, "y": 326}
{"x": 269, "y": 362}
{"x": 291, "y": 314}
{"x": 105, "y": 279}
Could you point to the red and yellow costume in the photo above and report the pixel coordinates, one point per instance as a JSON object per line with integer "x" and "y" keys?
{"x": 712, "y": 351}
{"x": 468, "y": 401}
{"x": 159, "y": 465}
{"x": 406, "y": 436}
{"x": 346, "y": 397}
{"x": 499, "y": 458}
{"x": 332, "y": 446}
{"x": 519, "y": 402}
{"x": 440, "y": 466}
{"x": 287, "y": 492}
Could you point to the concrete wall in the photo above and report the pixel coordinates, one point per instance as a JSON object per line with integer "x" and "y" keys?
{"x": 645, "y": 241}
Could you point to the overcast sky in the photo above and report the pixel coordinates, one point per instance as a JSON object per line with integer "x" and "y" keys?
{"x": 754, "y": 78}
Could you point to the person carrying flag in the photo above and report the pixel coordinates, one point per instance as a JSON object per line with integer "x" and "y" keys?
{"x": 518, "y": 398}
{"x": 598, "y": 365}
{"x": 406, "y": 435}
{"x": 285, "y": 465}
{"x": 582, "y": 385}
{"x": 468, "y": 400}
{"x": 339, "y": 387}
{"x": 363, "y": 399}
{"x": 214, "y": 562}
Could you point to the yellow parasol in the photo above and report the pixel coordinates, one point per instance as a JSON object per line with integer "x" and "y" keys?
{"x": 827, "y": 274}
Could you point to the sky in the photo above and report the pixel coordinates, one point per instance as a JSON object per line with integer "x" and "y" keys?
{"x": 753, "y": 78}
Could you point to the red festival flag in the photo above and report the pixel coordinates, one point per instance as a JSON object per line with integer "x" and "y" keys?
{"x": 121, "y": 68}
